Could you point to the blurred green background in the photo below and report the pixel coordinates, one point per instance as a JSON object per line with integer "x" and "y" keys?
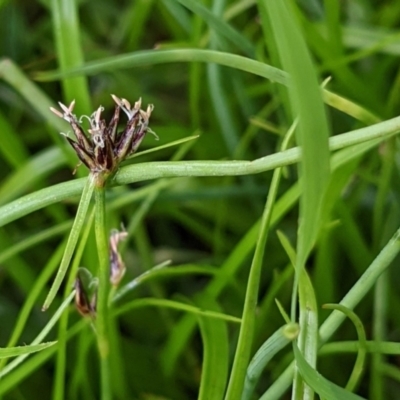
{"x": 204, "y": 223}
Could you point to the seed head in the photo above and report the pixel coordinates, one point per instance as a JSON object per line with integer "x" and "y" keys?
{"x": 103, "y": 148}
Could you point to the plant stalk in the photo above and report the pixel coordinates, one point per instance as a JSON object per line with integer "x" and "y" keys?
{"x": 103, "y": 288}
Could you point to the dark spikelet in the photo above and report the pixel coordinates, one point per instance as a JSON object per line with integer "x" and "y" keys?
{"x": 124, "y": 145}
{"x": 82, "y": 303}
{"x": 80, "y": 135}
{"x": 109, "y": 155}
{"x": 100, "y": 159}
{"x": 102, "y": 149}
{"x": 84, "y": 156}
{"x": 111, "y": 130}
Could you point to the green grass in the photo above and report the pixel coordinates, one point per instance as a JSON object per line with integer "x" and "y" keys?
{"x": 262, "y": 227}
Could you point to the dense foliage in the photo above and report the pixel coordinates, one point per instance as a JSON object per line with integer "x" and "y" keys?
{"x": 232, "y": 238}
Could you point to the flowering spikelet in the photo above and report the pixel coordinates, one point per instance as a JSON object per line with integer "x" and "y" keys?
{"x": 102, "y": 149}
{"x": 117, "y": 266}
{"x": 85, "y": 293}
{"x": 85, "y": 284}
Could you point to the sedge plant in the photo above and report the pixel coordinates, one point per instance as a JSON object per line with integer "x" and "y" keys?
{"x": 273, "y": 192}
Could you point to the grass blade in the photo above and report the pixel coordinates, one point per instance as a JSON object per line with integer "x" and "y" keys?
{"x": 321, "y": 385}
{"x": 214, "y": 334}
{"x": 313, "y": 130}
{"x": 72, "y": 241}
{"x": 153, "y": 57}
{"x": 280, "y": 339}
{"x": 24, "y": 350}
{"x": 67, "y": 36}
{"x": 362, "y": 348}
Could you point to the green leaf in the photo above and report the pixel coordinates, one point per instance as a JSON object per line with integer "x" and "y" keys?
{"x": 362, "y": 340}
{"x": 72, "y": 240}
{"x": 68, "y": 43}
{"x": 24, "y": 350}
{"x": 321, "y": 385}
{"x": 214, "y": 334}
{"x": 281, "y": 338}
{"x": 313, "y": 131}
{"x": 152, "y": 57}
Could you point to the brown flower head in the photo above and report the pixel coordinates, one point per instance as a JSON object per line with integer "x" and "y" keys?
{"x": 102, "y": 149}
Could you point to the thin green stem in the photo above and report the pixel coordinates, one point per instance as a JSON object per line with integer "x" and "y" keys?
{"x": 103, "y": 288}
{"x": 379, "y": 334}
{"x": 242, "y": 355}
{"x": 243, "y": 349}
{"x": 152, "y": 170}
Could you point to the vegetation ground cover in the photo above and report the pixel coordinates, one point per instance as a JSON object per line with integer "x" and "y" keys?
{"x": 258, "y": 225}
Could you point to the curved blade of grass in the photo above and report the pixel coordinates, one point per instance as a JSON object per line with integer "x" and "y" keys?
{"x": 280, "y": 339}
{"x": 152, "y": 57}
{"x": 326, "y": 389}
{"x": 72, "y": 240}
{"x": 146, "y": 171}
{"x": 214, "y": 334}
{"x": 24, "y": 350}
{"x": 362, "y": 339}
